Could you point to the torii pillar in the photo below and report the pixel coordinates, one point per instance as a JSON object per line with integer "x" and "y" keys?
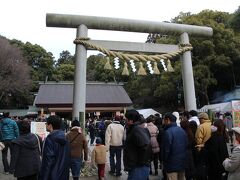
{"x": 82, "y": 23}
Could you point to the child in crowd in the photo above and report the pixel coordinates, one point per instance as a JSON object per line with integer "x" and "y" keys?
{"x": 99, "y": 157}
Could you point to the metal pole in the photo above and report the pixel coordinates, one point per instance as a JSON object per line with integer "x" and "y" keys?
{"x": 187, "y": 76}
{"x": 79, "y": 91}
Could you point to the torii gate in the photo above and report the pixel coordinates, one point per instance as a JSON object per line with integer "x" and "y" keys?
{"x": 83, "y": 23}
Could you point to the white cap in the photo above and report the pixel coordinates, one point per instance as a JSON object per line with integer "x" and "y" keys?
{"x": 236, "y": 129}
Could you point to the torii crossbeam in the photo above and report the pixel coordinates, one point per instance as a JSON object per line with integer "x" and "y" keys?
{"x": 83, "y": 23}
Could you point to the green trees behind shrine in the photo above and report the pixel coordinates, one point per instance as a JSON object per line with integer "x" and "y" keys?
{"x": 216, "y": 66}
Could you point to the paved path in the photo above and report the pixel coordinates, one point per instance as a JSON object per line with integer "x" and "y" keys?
{"x": 107, "y": 176}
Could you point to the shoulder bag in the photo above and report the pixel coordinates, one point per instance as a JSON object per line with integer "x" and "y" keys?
{"x": 39, "y": 146}
{"x": 74, "y": 138}
{"x": 2, "y": 146}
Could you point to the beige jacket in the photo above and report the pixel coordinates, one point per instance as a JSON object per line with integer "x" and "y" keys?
{"x": 203, "y": 133}
{"x": 99, "y": 154}
{"x": 114, "y": 135}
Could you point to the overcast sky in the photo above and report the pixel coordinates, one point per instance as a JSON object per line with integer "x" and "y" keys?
{"x": 25, "y": 20}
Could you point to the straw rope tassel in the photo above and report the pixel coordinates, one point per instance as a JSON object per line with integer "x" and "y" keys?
{"x": 169, "y": 66}
{"x": 141, "y": 70}
{"x": 125, "y": 69}
{"x": 108, "y": 65}
{"x": 155, "y": 68}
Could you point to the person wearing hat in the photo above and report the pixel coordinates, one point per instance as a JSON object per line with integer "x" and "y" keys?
{"x": 232, "y": 164}
{"x": 203, "y": 133}
{"x": 78, "y": 145}
{"x": 137, "y": 147}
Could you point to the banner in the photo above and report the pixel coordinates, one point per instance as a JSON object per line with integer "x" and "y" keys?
{"x": 236, "y": 113}
{"x": 39, "y": 128}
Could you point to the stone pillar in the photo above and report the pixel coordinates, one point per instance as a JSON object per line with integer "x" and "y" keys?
{"x": 79, "y": 91}
{"x": 187, "y": 76}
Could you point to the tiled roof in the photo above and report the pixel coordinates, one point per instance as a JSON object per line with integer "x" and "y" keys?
{"x": 96, "y": 93}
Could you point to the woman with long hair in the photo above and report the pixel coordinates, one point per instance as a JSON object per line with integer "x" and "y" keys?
{"x": 190, "y": 167}
{"x": 216, "y": 149}
{"x": 153, "y": 130}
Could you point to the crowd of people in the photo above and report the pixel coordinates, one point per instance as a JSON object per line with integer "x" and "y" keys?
{"x": 183, "y": 146}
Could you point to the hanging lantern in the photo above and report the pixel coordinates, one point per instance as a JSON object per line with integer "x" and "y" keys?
{"x": 108, "y": 65}
{"x": 155, "y": 68}
{"x": 141, "y": 70}
{"x": 169, "y": 66}
{"x": 125, "y": 69}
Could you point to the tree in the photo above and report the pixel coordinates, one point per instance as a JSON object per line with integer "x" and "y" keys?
{"x": 64, "y": 72}
{"x": 96, "y": 71}
{"x": 216, "y": 58}
{"x": 65, "y": 58}
{"x": 14, "y": 76}
{"x": 235, "y": 20}
{"x": 40, "y": 61}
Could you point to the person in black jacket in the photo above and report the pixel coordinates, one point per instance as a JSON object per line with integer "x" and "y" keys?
{"x": 137, "y": 149}
{"x": 190, "y": 166}
{"x": 56, "y": 152}
{"x": 216, "y": 149}
{"x": 26, "y": 156}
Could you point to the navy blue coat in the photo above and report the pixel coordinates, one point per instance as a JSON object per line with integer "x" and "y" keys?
{"x": 56, "y": 157}
{"x": 174, "y": 148}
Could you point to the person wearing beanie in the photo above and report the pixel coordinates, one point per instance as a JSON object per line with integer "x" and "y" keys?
{"x": 137, "y": 148}
{"x": 174, "y": 148}
{"x": 232, "y": 164}
{"x": 78, "y": 147}
{"x": 99, "y": 157}
{"x": 25, "y": 161}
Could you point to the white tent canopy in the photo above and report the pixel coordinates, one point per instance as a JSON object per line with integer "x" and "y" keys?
{"x": 221, "y": 107}
{"x": 147, "y": 112}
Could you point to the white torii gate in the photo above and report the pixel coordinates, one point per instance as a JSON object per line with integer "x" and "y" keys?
{"x": 83, "y": 23}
